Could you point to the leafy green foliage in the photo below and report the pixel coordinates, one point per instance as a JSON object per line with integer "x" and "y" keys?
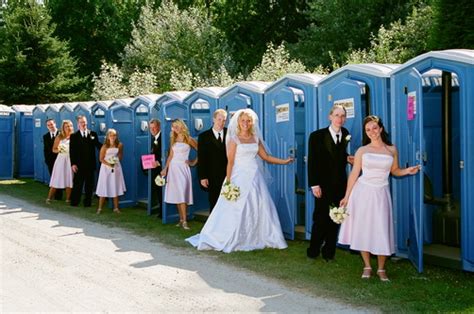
{"x": 454, "y": 24}
{"x": 400, "y": 41}
{"x": 35, "y": 66}
{"x": 170, "y": 39}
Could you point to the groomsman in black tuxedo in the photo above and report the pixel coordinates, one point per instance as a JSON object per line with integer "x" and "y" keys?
{"x": 49, "y": 155}
{"x": 155, "y": 131}
{"x": 212, "y": 157}
{"x": 82, "y": 146}
{"x": 327, "y": 178}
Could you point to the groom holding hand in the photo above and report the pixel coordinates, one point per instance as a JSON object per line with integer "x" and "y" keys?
{"x": 212, "y": 157}
{"x": 327, "y": 178}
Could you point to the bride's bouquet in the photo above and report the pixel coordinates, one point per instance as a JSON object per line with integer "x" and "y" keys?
{"x": 63, "y": 149}
{"x": 338, "y": 214}
{"x": 112, "y": 161}
{"x": 231, "y": 192}
{"x": 160, "y": 181}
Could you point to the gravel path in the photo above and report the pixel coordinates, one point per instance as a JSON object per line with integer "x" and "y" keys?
{"x": 54, "y": 262}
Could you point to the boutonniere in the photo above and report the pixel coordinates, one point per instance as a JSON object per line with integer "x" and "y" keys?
{"x": 155, "y": 142}
{"x": 348, "y": 138}
{"x": 92, "y": 137}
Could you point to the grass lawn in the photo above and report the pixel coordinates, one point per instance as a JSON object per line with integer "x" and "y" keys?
{"x": 436, "y": 290}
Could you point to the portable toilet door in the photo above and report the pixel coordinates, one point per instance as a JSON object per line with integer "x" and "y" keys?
{"x": 170, "y": 106}
{"x": 7, "y": 141}
{"x": 290, "y": 106}
{"x": 66, "y": 112}
{"x": 98, "y": 121}
{"x": 201, "y": 103}
{"x": 39, "y": 129}
{"x": 84, "y": 109}
{"x": 155, "y": 113}
{"x": 141, "y": 109}
{"x": 453, "y": 241}
{"x": 244, "y": 95}
{"x": 24, "y": 148}
{"x": 120, "y": 117}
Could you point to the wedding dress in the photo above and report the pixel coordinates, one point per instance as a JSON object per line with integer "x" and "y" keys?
{"x": 249, "y": 223}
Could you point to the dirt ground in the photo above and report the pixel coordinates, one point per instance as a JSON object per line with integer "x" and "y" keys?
{"x": 54, "y": 262}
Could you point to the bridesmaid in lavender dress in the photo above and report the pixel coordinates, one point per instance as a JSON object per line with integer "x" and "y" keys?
{"x": 110, "y": 182}
{"x": 369, "y": 226}
{"x": 61, "y": 176}
{"x": 179, "y": 188}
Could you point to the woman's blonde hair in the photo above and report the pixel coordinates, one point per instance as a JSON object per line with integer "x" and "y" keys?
{"x": 107, "y": 143}
{"x": 248, "y": 114}
{"x": 184, "y": 131}
{"x": 62, "y": 134}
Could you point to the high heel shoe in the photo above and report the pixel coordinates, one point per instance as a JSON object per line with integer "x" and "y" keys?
{"x": 185, "y": 225}
{"x": 367, "y": 272}
{"x": 382, "y": 275}
{"x": 179, "y": 224}
{"x": 98, "y": 210}
{"x": 48, "y": 201}
{"x": 117, "y": 211}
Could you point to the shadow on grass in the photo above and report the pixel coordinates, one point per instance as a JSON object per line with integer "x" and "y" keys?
{"x": 437, "y": 289}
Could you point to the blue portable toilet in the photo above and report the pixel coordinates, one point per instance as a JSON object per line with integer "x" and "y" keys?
{"x": 201, "y": 103}
{"x": 41, "y": 173}
{"x": 244, "y": 95}
{"x": 290, "y": 111}
{"x": 66, "y": 112}
{"x": 424, "y": 129}
{"x": 53, "y": 112}
{"x": 83, "y": 109}
{"x": 24, "y": 152}
{"x": 7, "y": 141}
{"x": 97, "y": 122}
{"x": 141, "y": 109}
{"x": 120, "y": 117}
{"x": 168, "y": 107}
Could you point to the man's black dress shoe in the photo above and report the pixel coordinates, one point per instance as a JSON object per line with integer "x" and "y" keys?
{"x": 310, "y": 254}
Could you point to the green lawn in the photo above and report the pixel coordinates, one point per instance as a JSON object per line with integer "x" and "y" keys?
{"x": 436, "y": 290}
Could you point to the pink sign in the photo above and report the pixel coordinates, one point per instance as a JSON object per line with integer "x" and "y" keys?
{"x": 148, "y": 161}
{"x": 411, "y": 106}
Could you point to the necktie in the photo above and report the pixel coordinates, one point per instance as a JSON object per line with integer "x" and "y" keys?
{"x": 219, "y": 137}
{"x": 52, "y": 135}
{"x": 337, "y": 139}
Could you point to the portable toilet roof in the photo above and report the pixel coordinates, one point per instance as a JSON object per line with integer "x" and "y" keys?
{"x": 4, "y": 108}
{"x": 374, "y": 69}
{"x": 175, "y": 95}
{"x": 41, "y": 107}
{"x": 213, "y": 91}
{"x": 122, "y": 102}
{"x": 55, "y": 107}
{"x": 149, "y": 98}
{"x": 70, "y": 106}
{"x": 254, "y": 86}
{"x": 23, "y": 108}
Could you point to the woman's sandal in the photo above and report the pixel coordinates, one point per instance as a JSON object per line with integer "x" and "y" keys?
{"x": 185, "y": 225}
{"x": 117, "y": 211}
{"x": 366, "y": 273}
{"x": 179, "y": 224}
{"x": 98, "y": 210}
{"x": 382, "y": 275}
{"x": 48, "y": 201}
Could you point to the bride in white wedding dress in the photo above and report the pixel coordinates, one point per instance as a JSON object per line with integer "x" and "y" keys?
{"x": 251, "y": 222}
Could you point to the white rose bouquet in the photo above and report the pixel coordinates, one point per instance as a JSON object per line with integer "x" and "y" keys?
{"x": 160, "y": 181}
{"x": 112, "y": 161}
{"x": 338, "y": 214}
{"x": 230, "y": 191}
{"x": 63, "y": 149}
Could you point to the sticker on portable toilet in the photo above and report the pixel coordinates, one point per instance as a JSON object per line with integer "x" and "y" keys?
{"x": 411, "y": 106}
{"x": 348, "y": 104}
{"x": 282, "y": 113}
{"x": 37, "y": 123}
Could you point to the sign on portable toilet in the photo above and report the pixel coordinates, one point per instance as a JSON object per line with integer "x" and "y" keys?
{"x": 168, "y": 107}
{"x": 24, "y": 152}
{"x": 428, "y": 123}
{"x": 290, "y": 107}
{"x": 141, "y": 109}
{"x": 120, "y": 117}
{"x": 244, "y": 95}
{"x": 202, "y": 102}
{"x": 7, "y": 140}
{"x": 41, "y": 172}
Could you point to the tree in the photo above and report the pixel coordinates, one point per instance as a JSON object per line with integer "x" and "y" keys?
{"x": 400, "y": 41}
{"x": 170, "y": 39}
{"x": 337, "y": 26}
{"x": 275, "y": 64}
{"x": 35, "y": 66}
{"x": 454, "y": 24}
{"x": 249, "y": 25}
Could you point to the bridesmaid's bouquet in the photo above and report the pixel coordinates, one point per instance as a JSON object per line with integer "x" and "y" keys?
{"x": 338, "y": 214}
{"x": 160, "y": 181}
{"x": 112, "y": 161}
{"x": 62, "y": 148}
{"x": 231, "y": 192}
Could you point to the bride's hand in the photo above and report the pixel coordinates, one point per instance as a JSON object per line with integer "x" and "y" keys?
{"x": 289, "y": 160}
{"x": 343, "y": 202}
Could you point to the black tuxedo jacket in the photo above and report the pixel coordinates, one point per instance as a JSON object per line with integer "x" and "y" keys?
{"x": 327, "y": 163}
{"x": 212, "y": 158}
{"x": 49, "y": 156}
{"x": 82, "y": 150}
